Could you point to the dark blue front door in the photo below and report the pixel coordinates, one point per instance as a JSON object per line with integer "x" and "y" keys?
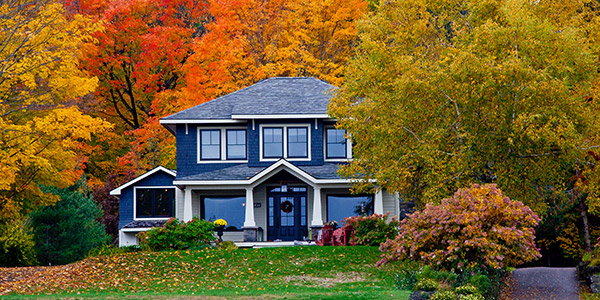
{"x": 287, "y": 214}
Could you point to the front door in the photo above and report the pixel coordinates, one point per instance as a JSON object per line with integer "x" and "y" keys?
{"x": 287, "y": 214}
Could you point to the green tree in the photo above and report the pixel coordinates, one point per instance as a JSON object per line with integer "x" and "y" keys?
{"x": 67, "y": 231}
{"x": 445, "y": 93}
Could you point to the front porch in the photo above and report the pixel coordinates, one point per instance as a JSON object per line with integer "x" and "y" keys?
{"x": 281, "y": 203}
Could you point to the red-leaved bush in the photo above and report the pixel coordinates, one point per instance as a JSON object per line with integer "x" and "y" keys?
{"x": 372, "y": 230}
{"x": 477, "y": 227}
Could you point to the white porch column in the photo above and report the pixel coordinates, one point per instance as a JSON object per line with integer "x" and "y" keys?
{"x": 179, "y": 196}
{"x": 249, "y": 222}
{"x": 187, "y": 205}
{"x": 317, "y": 216}
{"x": 378, "y": 205}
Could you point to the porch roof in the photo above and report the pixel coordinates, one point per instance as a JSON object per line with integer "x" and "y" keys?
{"x": 145, "y": 224}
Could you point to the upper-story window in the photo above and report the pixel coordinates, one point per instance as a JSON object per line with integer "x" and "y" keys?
{"x": 154, "y": 202}
{"x": 210, "y": 144}
{"x": 272, "y": 142}
{"x": 335, "y": 140}
{"x": 236, "y": 144}
{"x": 297, "y": 142}
{"x": 285, "y": 141}
{"x": 222, "y": 144}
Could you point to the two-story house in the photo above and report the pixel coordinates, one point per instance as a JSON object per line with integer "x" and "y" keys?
{"x": 264, "y": 158}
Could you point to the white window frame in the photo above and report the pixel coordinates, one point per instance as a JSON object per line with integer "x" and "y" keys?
{"x": 285, "y": 141}
{"x": 348, "y": 147}
{"x": 223, "y": 145}
{"x": 135, "y": 218}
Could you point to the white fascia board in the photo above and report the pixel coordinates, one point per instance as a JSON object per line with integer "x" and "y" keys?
{"x": 211, "y": 182}
{"x": 201, "y": 121}
{"x": 117, "y": 191}
{"x": 282, "y": 116}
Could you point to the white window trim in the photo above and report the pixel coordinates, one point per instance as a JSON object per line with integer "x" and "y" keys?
{"x": 285, "y": 138}
{"x": 348, "y": 147}
{"x": 135, "y": 218}
{"x": 223, "y": 146}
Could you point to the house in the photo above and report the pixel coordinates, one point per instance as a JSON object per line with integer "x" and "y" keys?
{"x": 264, "y": 158}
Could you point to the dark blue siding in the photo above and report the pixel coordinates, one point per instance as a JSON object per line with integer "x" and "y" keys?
{"x": 187, "y": 144}
{"x": 126, "y": 199}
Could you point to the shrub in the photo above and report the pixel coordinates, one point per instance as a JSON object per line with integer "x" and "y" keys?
{"x": 483, "y": 283}
{"x": 227, "y": 245}
{"x": 177, "y": 235}
{"x": 478, "y": 226}
{"x": 406, "y": 280}
{"x": 440, "y": 276}
{"x": 467, "y": 289}
{"x": 427, "y": 284}
{"x": 16, "y": 244}
{"x": 372, "y": 230}
{"x": 443, "y": 295}
{"x": 471, "y": 297}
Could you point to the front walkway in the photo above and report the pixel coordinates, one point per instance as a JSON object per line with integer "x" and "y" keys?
{"x": 543, "y": 284}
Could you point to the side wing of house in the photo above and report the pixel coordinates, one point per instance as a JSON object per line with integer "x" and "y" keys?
{"x": 145, "y": 202}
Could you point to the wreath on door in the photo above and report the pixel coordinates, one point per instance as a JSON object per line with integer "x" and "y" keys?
{"x": 286, "y": 207}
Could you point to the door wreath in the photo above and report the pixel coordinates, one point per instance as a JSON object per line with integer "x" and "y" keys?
{"x": 286, "y": 207}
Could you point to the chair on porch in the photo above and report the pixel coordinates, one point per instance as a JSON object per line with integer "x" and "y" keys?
{"x": 326, "y": 236}
{"x": 344, "y": 236}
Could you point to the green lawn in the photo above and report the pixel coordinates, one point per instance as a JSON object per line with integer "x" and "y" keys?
{"x": 268, "y": 273}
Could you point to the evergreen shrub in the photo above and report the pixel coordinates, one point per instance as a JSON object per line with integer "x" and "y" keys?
{"x": 178, "y": 235}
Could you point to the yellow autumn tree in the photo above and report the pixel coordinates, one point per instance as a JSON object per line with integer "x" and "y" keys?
{"x": 41, "y": 130}
{"x": 445, "y": 93}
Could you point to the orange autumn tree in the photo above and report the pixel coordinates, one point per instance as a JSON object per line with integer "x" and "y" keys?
{"x": 41, "y": 131}
{"x": 145, "y": 43}
{"x": 251, "y": 40}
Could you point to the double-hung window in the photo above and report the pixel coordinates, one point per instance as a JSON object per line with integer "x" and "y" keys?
{"x": 236, "y": 144}
{"x": 297, "y": 142}
{"x": 210, "y": 144}
{"x": 272, "y": 142}
{"x": 336, "y": 146}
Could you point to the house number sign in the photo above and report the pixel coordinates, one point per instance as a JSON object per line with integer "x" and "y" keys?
{"x": 257, "y": 205}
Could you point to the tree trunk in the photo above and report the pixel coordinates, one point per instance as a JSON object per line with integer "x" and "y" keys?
{"x": 586, "y": 226}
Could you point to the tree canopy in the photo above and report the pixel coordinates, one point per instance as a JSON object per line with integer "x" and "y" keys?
{"x": 445, "y": 93}
{"x": 41, "y": 130}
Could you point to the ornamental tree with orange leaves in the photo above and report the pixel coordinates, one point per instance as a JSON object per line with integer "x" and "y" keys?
{"x": 477, "y": 227}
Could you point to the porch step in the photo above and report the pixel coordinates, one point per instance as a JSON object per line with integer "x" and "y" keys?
{"x": 273, "y": 244}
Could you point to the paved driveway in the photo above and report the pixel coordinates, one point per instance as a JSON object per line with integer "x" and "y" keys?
{"x": 544, "y": 284}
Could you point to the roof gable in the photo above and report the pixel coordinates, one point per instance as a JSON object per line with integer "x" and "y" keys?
{"x": 278, "y": 96}
{"x": 117, "y": 191}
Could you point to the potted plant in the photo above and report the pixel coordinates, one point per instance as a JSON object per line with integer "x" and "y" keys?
{"x": 333, "y": 224}
{"x": 219, "y": 227}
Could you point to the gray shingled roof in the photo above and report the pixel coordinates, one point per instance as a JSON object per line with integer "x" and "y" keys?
{"x": 243, "y": 172}
{"x": 273, "y": 96}
{"x": 145, "y": 224}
